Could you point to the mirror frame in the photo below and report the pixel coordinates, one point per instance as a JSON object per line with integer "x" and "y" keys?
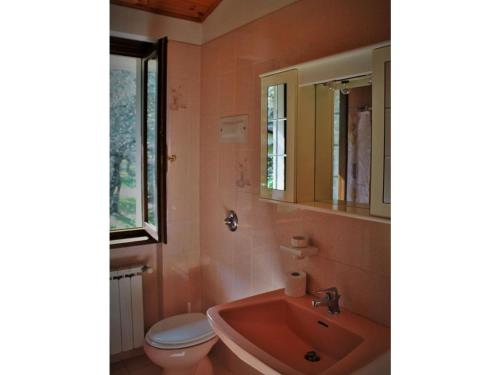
{"x": 377, "y": 205}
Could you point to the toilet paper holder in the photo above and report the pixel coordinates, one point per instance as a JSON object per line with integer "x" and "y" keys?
{"x": 300, "y": 252}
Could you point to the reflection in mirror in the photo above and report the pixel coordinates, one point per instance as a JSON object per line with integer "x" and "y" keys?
{"x": 387, "y": 132}
{"x": 343, "y": 142}
{"x": 276, "y": 136}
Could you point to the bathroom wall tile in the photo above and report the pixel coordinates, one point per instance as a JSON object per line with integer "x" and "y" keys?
{"x": 354, "y": 254}
{"x": 226, "y": 57}
{"x": 209, "y": 133}
{"x": 262, "y": 272}
{"x": 211, "y": 226}
{"x": 244, "y": 173}
{"x": 253, "y": 137}
{"x": 184, "y": 58}
{"x": 264, "y": 65}
{"x": 245, "y": 207}
{"x": 380, "y": 254}
{"x": 228, "y": 175}
{"x": 350, "y": 242}
{"x": 181, "y": 278}
{"x": 226, "y": 92}
{"x": 363, "y": 292}
{"x": 209, "y": 58}
{"x": 209, "y": 174}
{"x": 263, "y": 235}
{"x": 251, "y": 43}
{"x": 181, "y": 255}
{"x": 180, "y": 202}
{"x": 241, "y": 286}
{"x": 209, "y": 90}
{"x": 245, "y": 88}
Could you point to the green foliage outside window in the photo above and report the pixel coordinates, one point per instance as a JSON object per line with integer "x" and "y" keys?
{"x": 123, "y": 143}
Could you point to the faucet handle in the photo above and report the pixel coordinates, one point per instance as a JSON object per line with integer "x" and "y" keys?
{"x": 332, "y": 290}
{"x": 331, "y": 299}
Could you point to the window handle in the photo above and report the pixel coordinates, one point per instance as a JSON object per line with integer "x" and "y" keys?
{"x": 172, "y": 158}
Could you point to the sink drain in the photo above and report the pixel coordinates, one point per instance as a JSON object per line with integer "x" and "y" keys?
{"x": 312, "y": 356}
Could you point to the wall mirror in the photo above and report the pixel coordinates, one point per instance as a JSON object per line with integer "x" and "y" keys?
{"x": 325, "y": 134}
{"x": 343, "y": 130}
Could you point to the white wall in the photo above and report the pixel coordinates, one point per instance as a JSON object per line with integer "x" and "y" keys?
{"x": 137, "y": 22}
{"x": 229, "y": 15}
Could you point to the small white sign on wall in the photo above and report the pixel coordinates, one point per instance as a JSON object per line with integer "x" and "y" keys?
{"x": 233, "y": 129}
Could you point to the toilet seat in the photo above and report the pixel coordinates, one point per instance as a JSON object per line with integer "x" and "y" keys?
{"x": 180, "y": 331}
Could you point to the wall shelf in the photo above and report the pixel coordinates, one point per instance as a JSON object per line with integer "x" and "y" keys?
{"x": 300, "y": 252}
{"x": 333, "y": 209}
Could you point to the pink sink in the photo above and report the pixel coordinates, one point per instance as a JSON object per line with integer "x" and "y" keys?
{"x": 273, "y": 332}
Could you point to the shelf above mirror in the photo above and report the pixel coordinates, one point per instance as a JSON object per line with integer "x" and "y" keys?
{"x": 333, "y": 209}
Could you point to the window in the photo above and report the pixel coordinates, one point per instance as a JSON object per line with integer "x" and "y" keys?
{"x": 137, "y": 141}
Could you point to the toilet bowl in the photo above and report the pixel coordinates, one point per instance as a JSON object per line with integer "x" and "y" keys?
{"x": 180, "y": 344}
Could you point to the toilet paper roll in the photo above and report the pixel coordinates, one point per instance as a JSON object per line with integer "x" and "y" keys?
{"x": 299, "y": 241}
{"x": 295, "y": 284}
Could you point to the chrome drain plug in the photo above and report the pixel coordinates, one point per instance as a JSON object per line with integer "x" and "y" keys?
{"x": 312, "y": 356}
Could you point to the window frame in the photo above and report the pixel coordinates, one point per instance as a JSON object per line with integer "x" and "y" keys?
{"x": 144, "y": 51}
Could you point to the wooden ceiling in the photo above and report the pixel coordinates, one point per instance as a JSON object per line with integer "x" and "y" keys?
{"x": 193, "y": 10}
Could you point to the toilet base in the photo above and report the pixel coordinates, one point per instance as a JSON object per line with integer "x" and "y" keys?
{"x": 203, "y": 368}
{"x": 192, "y": 360}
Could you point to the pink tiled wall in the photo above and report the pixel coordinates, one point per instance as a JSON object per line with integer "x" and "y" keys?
{"x": 181, "y": 256}
{"x": 354, "y": 255}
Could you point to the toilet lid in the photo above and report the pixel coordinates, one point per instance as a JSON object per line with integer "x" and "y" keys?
{"x": 180, "y": 331}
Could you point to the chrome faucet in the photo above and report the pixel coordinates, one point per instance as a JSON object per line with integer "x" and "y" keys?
{"x": 328, "y": 297}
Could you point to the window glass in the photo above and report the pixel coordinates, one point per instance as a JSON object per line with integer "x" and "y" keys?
{"x": 125, "y": 134}
{"x": 151, "y": 141}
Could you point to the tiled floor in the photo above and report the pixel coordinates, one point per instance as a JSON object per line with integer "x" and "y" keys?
{"x": 143, "y": 366}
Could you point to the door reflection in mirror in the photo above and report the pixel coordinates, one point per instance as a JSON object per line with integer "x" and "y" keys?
{"x": 343, "y": 142}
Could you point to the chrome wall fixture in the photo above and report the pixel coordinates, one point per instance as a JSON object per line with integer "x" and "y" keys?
{"x": 345, "y": 85}
{"x": 231, "y": 221}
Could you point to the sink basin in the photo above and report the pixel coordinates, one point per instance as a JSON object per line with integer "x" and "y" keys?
{"x": 273, "y": 333}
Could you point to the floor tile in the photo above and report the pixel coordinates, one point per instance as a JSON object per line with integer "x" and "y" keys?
{"x": 148, "y": 370}
{"x": 219, "y": 369}
{"x": 118, "y": 369}
{"x": 136, "y": 363}
{"x": 142, "y": 365}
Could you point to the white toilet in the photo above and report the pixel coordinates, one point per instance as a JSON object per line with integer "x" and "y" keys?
{"x": 180, "y": 344}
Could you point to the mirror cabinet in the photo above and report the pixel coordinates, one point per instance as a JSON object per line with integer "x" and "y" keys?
{"x": 325, "y": 134}
{"x": 278, "y": 122}
{"x": 381, "y": 144}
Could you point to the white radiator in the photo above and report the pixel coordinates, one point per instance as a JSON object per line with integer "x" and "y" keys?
{"x": 126, "y": 312}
